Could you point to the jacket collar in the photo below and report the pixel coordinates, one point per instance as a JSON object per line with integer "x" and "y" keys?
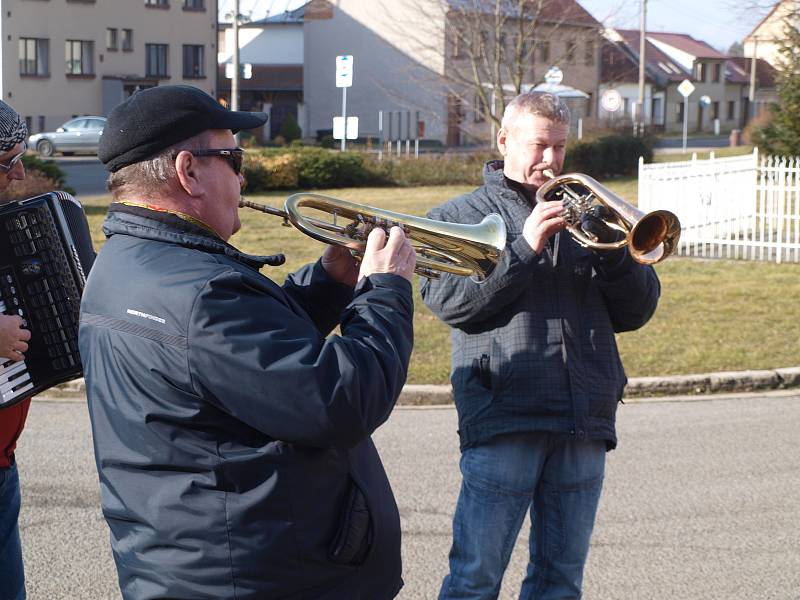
{"x": 148, "y": 224}
{"x": 494, "y": 178}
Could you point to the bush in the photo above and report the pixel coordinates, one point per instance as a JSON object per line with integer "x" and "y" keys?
{"x": 34, "y": 184}
{"x": 320, "y": 168}
{"x": 290, "y": 130}
{"x": 327, "y": 141}
{"x": 439, "y": 169}
{"x": 269, "y": 171}
{"x": 608, "y": 156}
{"x": 45, "y": 168}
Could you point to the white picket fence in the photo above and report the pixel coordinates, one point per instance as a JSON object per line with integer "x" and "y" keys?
{"x": 745, "y": 207}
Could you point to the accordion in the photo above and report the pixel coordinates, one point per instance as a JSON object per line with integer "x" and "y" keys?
{"x": 45, "y": 255}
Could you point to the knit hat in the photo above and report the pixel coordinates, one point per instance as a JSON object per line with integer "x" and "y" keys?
{"x": 12, "y": 128}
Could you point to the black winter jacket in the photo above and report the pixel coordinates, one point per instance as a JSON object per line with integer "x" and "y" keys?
{"x": 533, "y": 345}
{"x": 232, "y": 437}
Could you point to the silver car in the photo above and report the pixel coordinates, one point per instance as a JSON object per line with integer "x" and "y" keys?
{"x": 78, "y": 135}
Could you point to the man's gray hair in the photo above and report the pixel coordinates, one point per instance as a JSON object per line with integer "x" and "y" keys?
{"x": 154, "y": 175}
{"x": 540, "y": 104}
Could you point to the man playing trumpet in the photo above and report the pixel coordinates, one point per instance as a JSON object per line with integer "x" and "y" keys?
{"x": 231, "y": 433}
{"x": 535, "y": 370}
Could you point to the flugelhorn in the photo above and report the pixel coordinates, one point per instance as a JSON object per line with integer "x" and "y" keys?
{"x": 459, "y": 249}
{"x": 650, "y": 237}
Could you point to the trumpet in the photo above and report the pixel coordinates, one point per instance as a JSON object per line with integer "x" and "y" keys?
{"x": 650, "y": 237}
{"x": 458, "y": 249}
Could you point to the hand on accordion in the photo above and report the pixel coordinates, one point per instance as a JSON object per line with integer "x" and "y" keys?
{"x": 13, "y": 338}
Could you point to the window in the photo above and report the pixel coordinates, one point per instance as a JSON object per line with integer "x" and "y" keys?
{"x": 478, "y": 109}
{"x": 193, "y": 62}
{"x": 157, "y": 3}
{"x": 481, "y": 43}
{"x": 544, "y": 52}
{"x": 717, "y": 72}
{"x": 41, "y": 123}
{"x": 501, "y": 42}
{"x": 34, "y": 57}
{"x": 588, "y": 53}
{"x": 731, "y": 110}
{"x": 455, "y": 45}
{"x": 679, "y": 112}
{"x": 715, "y": 110}
{"x": 79, "y": 57}
{"x": 194, "y": 4}
{"x": 570, "y": 54}
{"x": 700, "y": 72}
{"x": 156, "y": 60}
{"x": 127, "y": 40}
{"x": 111, "y": 39}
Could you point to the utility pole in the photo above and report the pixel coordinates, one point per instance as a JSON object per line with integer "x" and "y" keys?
{"x": 752, "y": 96}
{"x": 642, "y": 41}
{"x": 235, "y": 78}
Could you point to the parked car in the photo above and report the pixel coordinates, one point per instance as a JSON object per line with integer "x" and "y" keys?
{"x": 77, "y": 135}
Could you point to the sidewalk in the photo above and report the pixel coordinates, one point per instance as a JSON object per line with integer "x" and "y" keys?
{"x": 638, "y": 387}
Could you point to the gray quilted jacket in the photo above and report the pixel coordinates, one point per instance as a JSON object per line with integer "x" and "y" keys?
{"x": 533, "y": 346}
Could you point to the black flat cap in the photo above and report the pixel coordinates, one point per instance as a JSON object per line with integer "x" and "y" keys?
{"x": 159, "y": 117}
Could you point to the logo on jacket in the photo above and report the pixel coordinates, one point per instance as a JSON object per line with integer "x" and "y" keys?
{"x": 138, "y": 313}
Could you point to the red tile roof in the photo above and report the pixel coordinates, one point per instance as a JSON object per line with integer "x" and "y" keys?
{"x": 686, "y": 43}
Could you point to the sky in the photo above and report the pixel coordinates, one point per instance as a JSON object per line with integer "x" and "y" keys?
{"x": 717, "y": 22}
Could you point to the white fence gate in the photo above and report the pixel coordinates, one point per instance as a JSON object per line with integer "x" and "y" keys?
{"x": 744, "y": 207}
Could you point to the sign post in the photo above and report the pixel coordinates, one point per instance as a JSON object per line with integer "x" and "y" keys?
{"x": 344, "y": 79}
{"x": 685, "y": 88}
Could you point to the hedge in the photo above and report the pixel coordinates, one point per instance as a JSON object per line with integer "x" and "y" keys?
{"x": 313, "y": 167}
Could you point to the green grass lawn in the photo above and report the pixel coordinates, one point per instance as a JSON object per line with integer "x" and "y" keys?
{"x": 713, "y": 315}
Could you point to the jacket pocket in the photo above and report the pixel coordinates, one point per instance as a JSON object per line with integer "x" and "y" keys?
{"x": 353, "y": 537}
{"x": 482, "y": 369}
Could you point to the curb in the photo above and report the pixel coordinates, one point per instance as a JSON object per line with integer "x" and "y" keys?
{"x": 638, "y": 387}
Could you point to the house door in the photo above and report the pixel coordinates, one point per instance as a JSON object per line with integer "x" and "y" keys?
{"x": 701, "y": 112}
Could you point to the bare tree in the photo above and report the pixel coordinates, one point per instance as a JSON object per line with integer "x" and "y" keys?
{"x": 489, "y": 51}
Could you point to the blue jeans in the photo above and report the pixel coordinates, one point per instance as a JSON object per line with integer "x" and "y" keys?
{"x": 559, "y": 479}
{"x": 12, "y": 579}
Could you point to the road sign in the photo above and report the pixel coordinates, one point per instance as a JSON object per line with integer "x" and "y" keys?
{"x": 245, "y": 70}
{"x": 686, "y": 88}
{"x": 344, "y": 71}
{"x": 553, "y": 76}
{"x": 352, "y": 128}
{"x": 611, "y": 101}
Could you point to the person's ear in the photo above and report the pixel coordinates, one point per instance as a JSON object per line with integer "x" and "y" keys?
{"x": 186, "y": 167}
{"x": 502, "y": 140}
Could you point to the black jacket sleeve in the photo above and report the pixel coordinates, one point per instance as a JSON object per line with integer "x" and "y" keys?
{"x": 269, "y": 366}
{"x": 460, "y": 301}
{"x": 630, "y": 290}
{"x": 321, "y": 296}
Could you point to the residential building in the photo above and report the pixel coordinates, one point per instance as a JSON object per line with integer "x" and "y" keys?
{"x": 765, "y": 40}
{"x": 65, "y": 58}
{"x": 272, "y": 50}
{"x": 670, "y": 58}
{"x": 406, "y": 66}
{"x": 413, "y": 63}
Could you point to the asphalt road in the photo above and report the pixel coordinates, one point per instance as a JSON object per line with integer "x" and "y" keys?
{"x": 84, "y": 173}
{"x": 700, "y": 502}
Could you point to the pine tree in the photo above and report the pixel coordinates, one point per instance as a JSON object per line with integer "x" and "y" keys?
{"x": 781, "y": 135}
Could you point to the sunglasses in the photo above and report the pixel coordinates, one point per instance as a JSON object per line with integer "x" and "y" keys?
{"x": 12, "y": 162}
{"x": 234, "y": 156}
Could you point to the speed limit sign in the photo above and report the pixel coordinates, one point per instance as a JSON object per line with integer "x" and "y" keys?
{"x": 611, "y": 101}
